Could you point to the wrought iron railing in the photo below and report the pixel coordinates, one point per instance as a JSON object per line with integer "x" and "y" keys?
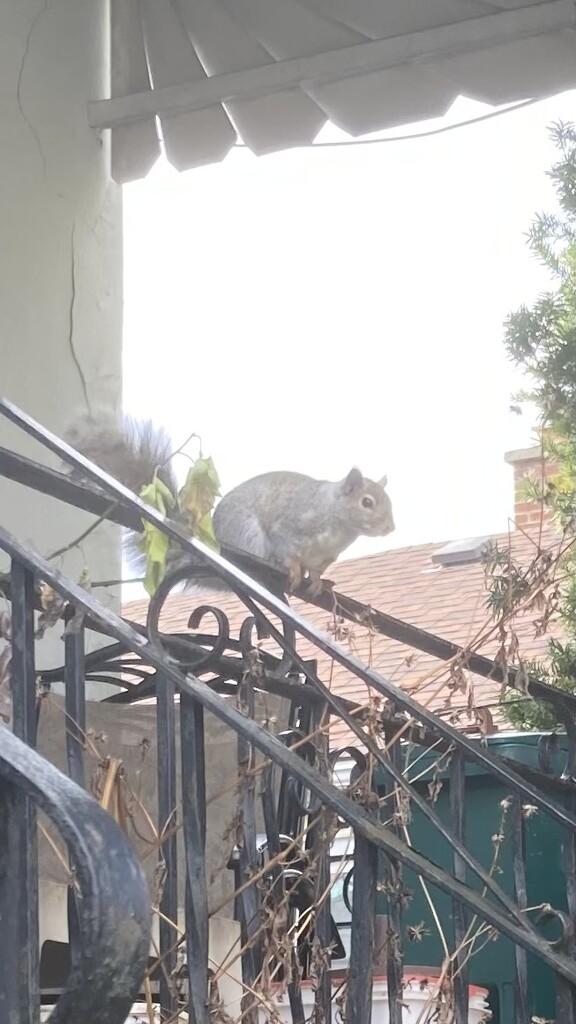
{"x": 108, "y": 905}
{"x": 298, "y": 802}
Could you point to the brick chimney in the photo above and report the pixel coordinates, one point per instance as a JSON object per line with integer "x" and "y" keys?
{"x": 529, "y": 462}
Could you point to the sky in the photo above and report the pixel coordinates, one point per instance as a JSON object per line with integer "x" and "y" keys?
{"x": 317, "y": 309}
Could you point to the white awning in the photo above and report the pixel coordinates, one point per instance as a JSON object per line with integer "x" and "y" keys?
{"x": 202, "y": 73}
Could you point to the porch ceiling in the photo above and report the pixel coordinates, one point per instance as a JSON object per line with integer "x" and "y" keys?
{"x": 201, "y": 73}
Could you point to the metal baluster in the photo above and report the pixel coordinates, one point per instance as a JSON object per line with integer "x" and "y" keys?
{"x": 75, "y": 704}
{"x": 564, "y": 1001}
{"x": 457, "y": 807}
{"x": 167, "y": 824}
{"x": 521, "y": 1014}
{"x": 194, "y": 830}
{"x": 295, "y": 999}
{"x": 278, "y": 889}
{"x": 75, "y": 707}
{"x": 565, "y": 990}
{"x": 317, "y": 841}
{"x": 322, "y": 921}
{"x": 360, "y": 971}
{"x": 289, "y": 813}
{"x": 394, "y": 958}
{"x": 16, "y": 1001}
{"x": 19, "y": 962}
{"x": 248, "y": 856}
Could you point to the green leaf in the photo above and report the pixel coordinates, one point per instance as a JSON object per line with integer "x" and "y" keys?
{"x": 158, "y": 496}
{"x": 153, "y": 542}
{"x": 200, "y": 490}
{"x": 205, "y": 532}
{"x": 197, "y": 498}
{"x": 155, "y": 546}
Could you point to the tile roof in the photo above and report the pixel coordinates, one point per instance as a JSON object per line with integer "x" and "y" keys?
{"x": 450, "y": 601}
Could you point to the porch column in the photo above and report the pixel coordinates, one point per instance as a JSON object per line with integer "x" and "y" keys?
{"x": 60, "y": 253}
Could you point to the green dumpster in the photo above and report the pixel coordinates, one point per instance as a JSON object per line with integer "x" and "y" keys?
{"x": 493, "y": 965}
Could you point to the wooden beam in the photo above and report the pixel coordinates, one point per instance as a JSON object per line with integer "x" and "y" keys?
{"x": 426, "y": 45}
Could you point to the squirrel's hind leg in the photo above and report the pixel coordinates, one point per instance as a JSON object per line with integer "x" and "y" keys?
{"x": 314, "y": 583}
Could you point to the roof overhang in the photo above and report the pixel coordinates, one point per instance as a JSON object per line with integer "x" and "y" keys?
{"x": 199, "y": 74}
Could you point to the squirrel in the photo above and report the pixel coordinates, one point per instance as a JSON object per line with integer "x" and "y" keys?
{"x": 295, "y": 523}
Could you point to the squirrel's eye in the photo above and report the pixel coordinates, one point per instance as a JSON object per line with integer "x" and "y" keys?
{"x": 368, "y": 501}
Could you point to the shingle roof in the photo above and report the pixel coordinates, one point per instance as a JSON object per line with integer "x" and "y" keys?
{"x": 450, "y": 601}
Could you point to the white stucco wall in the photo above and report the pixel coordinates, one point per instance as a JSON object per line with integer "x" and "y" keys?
{"x": 60, "y": 254}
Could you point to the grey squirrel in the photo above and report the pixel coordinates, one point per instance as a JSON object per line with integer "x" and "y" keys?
{"x": 293, "y": 522}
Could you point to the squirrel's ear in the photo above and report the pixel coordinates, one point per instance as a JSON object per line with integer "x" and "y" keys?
{"x": 353, "y": 482}
{"x": 382, "y": 483}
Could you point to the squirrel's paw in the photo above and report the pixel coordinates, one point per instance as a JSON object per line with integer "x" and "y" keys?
{"x": 295, "y": 573}
{"x": 311, "y": 586}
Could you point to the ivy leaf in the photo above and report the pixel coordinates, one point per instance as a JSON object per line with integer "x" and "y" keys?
{"x": 153, "y": 542}
{"x": 200, "y": 491}
{"x": 158, "y": 496}
{"x": 155, "y": 545}
{"x": 197, "y": 498}
{"x": 205, "y": 532}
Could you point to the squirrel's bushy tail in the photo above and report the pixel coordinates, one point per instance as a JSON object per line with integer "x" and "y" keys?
{"x": 131, "y": 451}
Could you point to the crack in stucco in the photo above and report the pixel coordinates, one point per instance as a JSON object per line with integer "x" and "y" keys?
{"x": 39, "y": 14}
{"x": 73, "y": 352}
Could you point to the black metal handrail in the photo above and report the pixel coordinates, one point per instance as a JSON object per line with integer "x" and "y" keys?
{"x": 176, "y": 673}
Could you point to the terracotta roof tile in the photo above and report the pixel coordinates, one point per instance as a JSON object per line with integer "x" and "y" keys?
{"x": 450, "y": 601}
